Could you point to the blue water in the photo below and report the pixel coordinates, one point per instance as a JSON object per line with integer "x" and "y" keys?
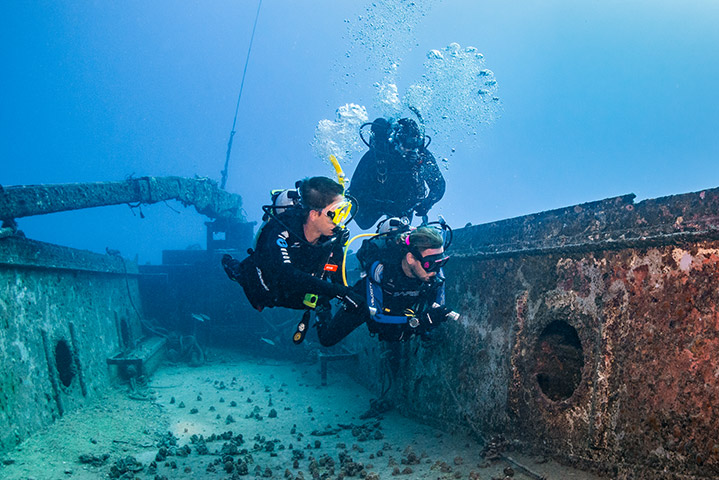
{"x": 591, "y": 100}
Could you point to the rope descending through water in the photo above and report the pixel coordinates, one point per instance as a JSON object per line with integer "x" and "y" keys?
{"x": 237, "y": 108}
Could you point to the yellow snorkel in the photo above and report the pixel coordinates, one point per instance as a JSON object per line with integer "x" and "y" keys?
{"x": 343, "y": 213}
{"x": 341, "y": 177}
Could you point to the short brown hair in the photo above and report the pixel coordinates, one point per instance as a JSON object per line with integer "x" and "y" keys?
{"x": 318, "y": 192}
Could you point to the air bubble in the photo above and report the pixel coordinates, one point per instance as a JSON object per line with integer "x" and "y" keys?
{"x": 339, "y": 137}
{"x": 456, "y": 93}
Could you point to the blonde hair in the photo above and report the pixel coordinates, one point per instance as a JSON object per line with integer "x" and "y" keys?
{"x": 422, "y": 238}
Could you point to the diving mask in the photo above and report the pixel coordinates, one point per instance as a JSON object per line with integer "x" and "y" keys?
{"x": 340, "y": 212}
{"x": 432, "y": 263}
{"x": 411, "y": 142}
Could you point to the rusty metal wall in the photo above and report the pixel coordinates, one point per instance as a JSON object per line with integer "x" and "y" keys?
{"x": 588, "y": 333}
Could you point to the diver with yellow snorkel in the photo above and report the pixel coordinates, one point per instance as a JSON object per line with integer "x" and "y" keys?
{"x": 299, "y": 263}
{"x": 296, "y": 262}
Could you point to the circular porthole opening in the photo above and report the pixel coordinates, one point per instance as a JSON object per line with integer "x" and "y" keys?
{"x": 560, "y": 360}
{"x": 63, "y": 362}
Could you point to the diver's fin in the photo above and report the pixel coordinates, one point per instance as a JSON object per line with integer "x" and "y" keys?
{"x": 231, "y": 267}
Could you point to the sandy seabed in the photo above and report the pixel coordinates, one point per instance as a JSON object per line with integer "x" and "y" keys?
{"x": 249, "y": 417}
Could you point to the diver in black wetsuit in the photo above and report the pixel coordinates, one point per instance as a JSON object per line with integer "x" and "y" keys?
{"x": 405, "y": 290}
{"x": 398, "y": 176}
{"x": 296, "y": 260}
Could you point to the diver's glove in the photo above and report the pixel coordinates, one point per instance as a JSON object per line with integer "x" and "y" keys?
{"x": 231, "y": 267}
{"x": 438, "y": 314}
{"x": 352, "y": 301}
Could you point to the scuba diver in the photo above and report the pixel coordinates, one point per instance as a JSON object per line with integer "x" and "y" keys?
{"x": 298, "y": 252}
{"x": 398, "y": 176}
{"x": 403, "y": 284}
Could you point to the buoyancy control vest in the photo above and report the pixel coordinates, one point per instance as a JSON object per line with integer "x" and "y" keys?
{"x": 283, "y": 270}
{"x": 399, "y": 302}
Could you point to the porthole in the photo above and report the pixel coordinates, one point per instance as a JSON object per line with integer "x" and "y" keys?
{"x": 64, "y": 363}
{"x": 559, "y": 360}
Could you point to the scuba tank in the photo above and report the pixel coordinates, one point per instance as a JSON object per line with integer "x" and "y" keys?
{"x": 383, "y": 245}
{"x": 282, "y": 200}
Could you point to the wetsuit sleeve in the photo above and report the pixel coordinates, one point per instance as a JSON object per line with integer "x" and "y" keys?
{"x": 434, "y": 179}
{"x": 435, "y": 315}
{"x": 279, "y": 261}
{"x": 432, "y": 295}
{"x": 344, "y": 321}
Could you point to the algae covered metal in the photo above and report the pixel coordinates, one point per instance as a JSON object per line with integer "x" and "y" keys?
{"x": 202, "y": 193}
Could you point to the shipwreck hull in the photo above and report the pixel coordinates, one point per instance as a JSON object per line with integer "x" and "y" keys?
{"x": 63, "y": 312}
{"x": 588, "y": 334}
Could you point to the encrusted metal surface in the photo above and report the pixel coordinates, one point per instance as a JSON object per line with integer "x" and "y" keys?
{"x": 611, "y": 224}
{"x": 203, "y": 193}
{"x": 61, "y": 315}
{"x": 589, "y": 334}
